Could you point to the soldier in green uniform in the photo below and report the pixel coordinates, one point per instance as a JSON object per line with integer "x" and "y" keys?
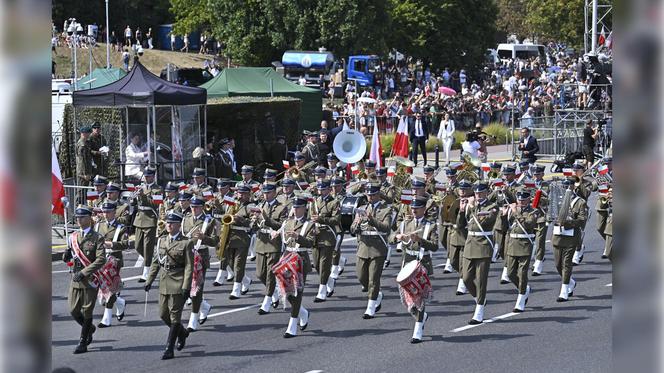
{"x": 583, "y": 187}
{"x": 338, "y": 261}
{"x": 121, "y": 208}
{"x": 458, "y": 233}
{"x": 97, "y": 141}
{"x": 247, "y": 173}
{"x": 522, "y": 221}
{"x": 601, "y": 207}
{"x": 174, "y": 262}
{"x": 239, "y": 240}
{"x": 542, "y": 223}
{"x": 419, "y": 238}
{"x": 170, "y": 201}
{"x": 608, "y": 231}
{"x": 115, "y": 241}
{"x": 311, "y": 151}
{"x": 372, "y": 225}
{"x": 298, "y": 235}
{"x": 287, "y": 192}
{"x": 501, "y": 196}
{"x": 387, "y": 191}
{"x": 203, "y": 230}
{"x": 99, "y": 182}
{"x": 333, "y": 166}
{"x": 478, "y": 216}
{"x": 429, "y": 180}
{"x": 566, "y": 238}
{"x": 148, "y": 197}
{"x": 86, "y": 248}
{"x": 199, "y": 184}
{"x": 268, "y": 245}
{"x": 327, "y": 218}
{"x": 84, "y": 163}
{"x": 225, "y": 272}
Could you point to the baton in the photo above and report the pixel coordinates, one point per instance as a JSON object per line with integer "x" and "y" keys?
{"x": 145, "y": 310}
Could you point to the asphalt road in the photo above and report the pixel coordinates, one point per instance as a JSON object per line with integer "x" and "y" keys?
{"x": 549, "y": 337}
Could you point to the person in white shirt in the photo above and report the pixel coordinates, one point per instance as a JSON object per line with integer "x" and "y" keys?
{"x": 471, "y": 146}
{"x": 446, "y": 135}
{"x": 128, "y": 36}
{"x": 302, "y": 80}
{"x": 136, "y": 155}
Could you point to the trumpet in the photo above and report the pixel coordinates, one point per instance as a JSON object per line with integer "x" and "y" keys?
{"x": 296, "y": 171}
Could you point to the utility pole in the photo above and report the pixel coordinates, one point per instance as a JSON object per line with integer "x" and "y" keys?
{"x": 108, "y": 38}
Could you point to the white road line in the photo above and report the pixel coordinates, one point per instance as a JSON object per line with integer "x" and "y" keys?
{"x": 234, "y": 310}
{"x": 457, "y": 330}
{"x": 609, "y": 285}
{"x": 64, "y": 271}
{"x": 131, "y": 278}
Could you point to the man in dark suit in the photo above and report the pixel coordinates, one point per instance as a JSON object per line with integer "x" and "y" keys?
{"x": 528, "y": 146}
{"x": 225, "y": 160}
{"x": 418, "y": 131}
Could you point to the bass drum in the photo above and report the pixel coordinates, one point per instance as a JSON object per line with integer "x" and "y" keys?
{"x": 348, "y": 207}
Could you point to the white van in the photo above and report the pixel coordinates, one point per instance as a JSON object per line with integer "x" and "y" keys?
{"x": 521, "y": 51}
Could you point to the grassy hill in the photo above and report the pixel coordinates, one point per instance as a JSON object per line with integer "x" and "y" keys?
{"x": 155, "y": 60}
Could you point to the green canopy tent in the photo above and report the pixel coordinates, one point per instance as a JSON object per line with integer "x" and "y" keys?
{"x": 100, "y": 77}
{"x": 260, "y": 81}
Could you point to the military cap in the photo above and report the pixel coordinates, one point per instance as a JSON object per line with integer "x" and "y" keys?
{"x": 299, "y": 201}
{"x": 480, "y": 187}
{"x": 100, "y": 180}
{"x": 270, "y": 173}
{"x": 568, "y": 181}
{"x": 298, "y": 156}
{"x": 578, "y": 166}
{"x": 197, "y": 201}
{"x": 171, "y": 187}
{"x": 450, "y": 171}
{"x": 418, "y": 183}
{"x": 509, "y": 170}
{"x": 465, "y": 184}
{"x": 523, "y": 194}
{"x": 174, "y": 217}
{"x": 246, "y": 169}
{"x": 86, "y": 129}
{"x": 268, "y": 187}
{"x": 537, "y": 169}
{"x": 338, "y": 181}
{"x": 323, "y": 184}
{"x": 113, "y": 187}
{"x": 288, "y": 182}
{"x": 149, "y": 171}
{"x": 82, "y": 210}
{"x": 370, "y": 164}
{"x": 381, "y": 171}
{"x": 332, "y": 157}
{"x": 496, "y": 165}
{"x": 372, "y": 188}
{"x": 108, "y": 206}
{"x": 96, "y": 125}
{"x": 419, "y": 202}
{"x": 428, "y": 169}
{"x": 243, "y": 188}
{"x": 224, "y": 141}
{"x": 185, "y": 196}
{"x": 225, "y": 182}
{"x": 198, "y": 172}
{"x": 523, "y": 164}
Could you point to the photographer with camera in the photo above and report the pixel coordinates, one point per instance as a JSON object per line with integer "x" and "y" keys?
{"x": 590, "y": 135}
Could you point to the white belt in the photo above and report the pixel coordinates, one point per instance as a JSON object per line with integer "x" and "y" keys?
{"x": 560, "y": 231}
{"x": 372, "y": 233}
{"x": 266, "y": 230}
{"x": 483, "y": 234}
{"x": 297, "y": 249}
{"x": 416, "y": 252}
{"x": 145, "y": 208}
{"x": 516, "y": 235}
{"x": 243, "y": 229}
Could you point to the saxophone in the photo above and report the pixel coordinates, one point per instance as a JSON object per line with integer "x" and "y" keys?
{"x": 226, "y": 221}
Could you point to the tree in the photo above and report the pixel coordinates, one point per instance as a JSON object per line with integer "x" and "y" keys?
{"x": 512, "y": 17}
{"x": 560, "y": 20}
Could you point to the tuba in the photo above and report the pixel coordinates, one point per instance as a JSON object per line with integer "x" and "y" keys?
{"x": 349, "y": 146}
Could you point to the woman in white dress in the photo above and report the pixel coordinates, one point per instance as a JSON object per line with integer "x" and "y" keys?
{"x": 446, "y": 135}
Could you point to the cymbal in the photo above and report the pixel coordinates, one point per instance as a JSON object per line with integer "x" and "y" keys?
{"x": 403, "y": 161}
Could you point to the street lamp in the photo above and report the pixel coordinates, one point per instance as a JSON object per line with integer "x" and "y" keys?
{"x": 73, "y": 30}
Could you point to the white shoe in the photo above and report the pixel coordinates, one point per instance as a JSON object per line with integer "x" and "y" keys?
{"x": 537, "y": 267}
{"x": 266, "y": 306}
{"x": 146, "y": 272}
{"x": 478, "y": 316}
{"x": 106, "y": 319}
{"x": 504, "y": 279}
{"x": 246, "y": 282}
{"x": 371, "y": 310}
{"x": 304, "y": 318}
{"x": 330, "y": 286}
{"x": 193, "y": 322}
{"x": 235, "y": 293}
{"x": 188, "y": 302}
{"x": 494, "y": 257}
{"x": 418, "y": 330}
{"x": 461, "y": 288}
{"x": 291, "y": 331}
{"x": 139, "y": 262}
{"x": 564, "y": 293}
{"x": 204, "y": 311}
{"x": 275, "y": 296}
{"x": 521, "y": 300}
{"x": 120, "y": 305}
{"x": 221, "y": 278}
{"x": 322, "y": 294}
{"x": 571, "y": 286}
{"x": 448, "y": 267}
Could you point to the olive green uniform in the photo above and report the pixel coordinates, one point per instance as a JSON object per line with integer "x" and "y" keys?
{"x": 457, "y": 235}
{"x": 336, "y": 254}
{"x": 565, "y": 242}
{"x": 500, "y": 199}
{"x": 146, "y": 221}
{"x": 329, "y": 220}
{"x": 190, "y": 225}
{"x": 83, "y": 294}
{"x": 239, "y": 240}
{"x": 521, "y": 226}
{"x": 84, "y": 168}
{"x": 306, "y": 239}
{"x": 542, "y": 224}
{"x": 608, "y": 232}
{"x": 268, "y": 249}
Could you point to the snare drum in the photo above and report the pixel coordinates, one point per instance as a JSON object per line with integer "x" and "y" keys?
{"x": 348, "y": 207}
{"x": 414, "y": 285}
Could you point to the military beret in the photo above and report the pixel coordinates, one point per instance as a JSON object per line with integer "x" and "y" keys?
{"x": 86, "y": 129}
{"x": 149, "y": 171}
{"x": 185, "y": 196}
{"x": 198, "y": 172}
{"x": 428, "y": 169}
{"x": 419, "y": 202}
{"x": 113, "y": 187}
{"x": 108, "y": 206}
{"x": 372, "y": 188}
{"x": 480, "y": 187}
{"x": 246, "y": 169}
{"x": 173, "y": 217}
{"x": 268, "y": 187}
{"x": 323, "y": 184}
{"x": 99, "y": 180}
{"x": 82, "y": 210}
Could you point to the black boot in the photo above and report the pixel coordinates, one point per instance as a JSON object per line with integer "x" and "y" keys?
{"x": 82, "y": 346}
{"x": 183, "y": 333}
{"x": 91, "y": 330}
{"x": 170, "y": 343}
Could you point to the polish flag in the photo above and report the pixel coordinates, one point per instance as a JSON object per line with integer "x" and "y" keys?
{"x": 529, "y": 183}
{"x": 130, "y": 187}
{"x": 486, "y": 167}
{"x": 355, "y": 170}
{"x": 92, "y": 195}
{"x": 57, "y": 188}
{"x": 182, "y": 186}
{"x": 456, "y": 166}
{"x": 286, "y": 164}
{"x": 603, "y": 169}
{"x": 391, "y": 171}
{"x": 406, "y": 196}
{"x": 255, "y": 188}
{"x": 208, "y": 194}
{"x": 228, "y": 200}
{"x": 602, "y": 39}
{"x": 568, "y": 172}
{"x": 609, "y": 40}
{"x": 157, "y": 198}
{"x": 603, "y": 188}
{"x": 376, "y": 147}
{"x": 498, "y": 182}
{"x": 400, "y": 146}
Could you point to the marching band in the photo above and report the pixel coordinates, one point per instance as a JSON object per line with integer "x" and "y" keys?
{"x": 477, "y": 217}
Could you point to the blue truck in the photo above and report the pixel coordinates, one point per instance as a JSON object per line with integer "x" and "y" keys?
{"x": 365, "y": 69}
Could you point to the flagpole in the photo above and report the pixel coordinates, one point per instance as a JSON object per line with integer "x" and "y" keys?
{"x": 594, "y": 28}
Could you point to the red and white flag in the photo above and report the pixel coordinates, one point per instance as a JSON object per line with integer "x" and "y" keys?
{"x": 355, "y": 169}
{"x": 286, "y": 164}
{"x": 609, "y": 40}
{"x": 255, "y": 187}
{"x": 303, "y": 184}
{"x": 486, "y": 167}
{"x": 498, "y": 182}
{"x": 130, "y": 187}
{"x": 57, "y": 188}
{"x": 529, "y": 183}
{"x": 602, "y": 38}
{"x": 391, "y": 171}
{"x": 157, "y": 198}
{"x": 603, "y": 169}
{"x": 568, "y": 172}
{"x": 92, "y": 195}
{"x": 376, "y": 147}
{"x": 400, "y": 146}
{"x": 208, "y": 194}
{"x": 456, "y": 166}
{"x": 182, "y": 186}
{"x": 406, "y": 196}
{"x": 603, "y": 188}
{"x": 228, "y": 200}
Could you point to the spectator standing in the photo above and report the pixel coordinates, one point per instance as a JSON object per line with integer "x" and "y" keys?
{"x": 149, "y": 37}
{"x": 418, "y": 131}
{"x": 172, "y": 41}
{"x": 446, "y": 135}
{"x": 125, "y": 59}
{"x": 526, "y": 119}
{"x": 590, "y": 135}
{"x": 528, "y": 146}
{"x": 139, "y": 36}
{"x": 127, "y": 34}
{"x": 186, "y": 44}
{"x": 136, "y": 155}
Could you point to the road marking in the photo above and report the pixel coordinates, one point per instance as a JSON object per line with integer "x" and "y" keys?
{"x": 457, "y": 330}
{"x": 609, "y": 285}
{"x": 58, "y": 246}
{"x": 64, "y": 271}
{"x": 234, "y": 310}
{"x": 131, "y": 278}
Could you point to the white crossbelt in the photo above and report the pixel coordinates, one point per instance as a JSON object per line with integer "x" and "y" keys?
{"x": 145, "y": 208}
{"x": 266, "y": 230}
{"x": 373, "y": 233}
{"x": 518, "y": 235}
{"x": 483, "y": 234}
{"x": 416, "y": 253}
{"x": 243, "y": 229}
{"x": 297, "y": 249}
{"x": 559, "y": 230}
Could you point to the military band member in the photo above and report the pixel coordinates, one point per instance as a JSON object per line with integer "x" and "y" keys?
{"x": 99, "y": 182}
{"x": 446, "y": 194}
{"x": 311, "y": 151}
{"x": 304, "y": 176}
{"x": 478, "y": 216}
{"x": 247, "y": 173}
{"x": 326, "y": 216}
{"x": 148, "y": 197}
{"x": 583, "y": 188}
{"x": 320, "y": 173}
{"x": 431, "y": 211}
{"x": 501, "y": 196}
{"x": 115, "y": 241}
{"x": 429, "y": 180}
{"x": 170, "y": 200}
{"x": 239, "y": 240}
{"x": 338, "y": 260}
{"x": 121, "y": 208}
{"x": 522, "y": 221}
{"x": 199, "y": 186}
{"x": 458, "y": 233}
{"x": 542, "y": 224}
{"x": 184, "y": 203}
{"x": 419, "y": 238}
{"x": 268, "y": 249}
{"x": 270, "y": 176}
{"x": 372, "y": 226}
{"x": 174, "y": 262}
{"x": 524, "y": 168}
{"x": 203, "y": 230}
{"x": 366, "y": 174}
{"x": 566, "y": 238}
{"x": 298, "y": 234}
{"x": 86, "y": 248}
{"x": 603, "y": 209}
{"x": 333, "y": 166}
{"x": 387, "y": 191}
{"x": 451, "y": 174}
{"x": 287, "y": 193}
{"x": 225, "y": 272}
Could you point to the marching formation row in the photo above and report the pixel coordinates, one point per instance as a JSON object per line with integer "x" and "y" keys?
{"x": 298, "y": 223}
